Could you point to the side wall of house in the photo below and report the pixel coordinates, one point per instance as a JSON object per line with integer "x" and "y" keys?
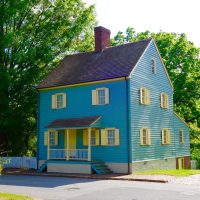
{"x": 151, "y": 116}
{"x": 79, "y": 104}
{"x": 182, "y": 149}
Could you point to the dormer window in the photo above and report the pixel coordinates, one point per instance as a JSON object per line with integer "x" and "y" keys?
{"x": 153, "y": 66}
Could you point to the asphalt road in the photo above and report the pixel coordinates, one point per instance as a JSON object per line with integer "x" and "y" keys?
{"x": 53, "y": 188}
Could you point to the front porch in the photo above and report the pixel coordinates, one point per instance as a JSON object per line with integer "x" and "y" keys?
{"x": 71, "y": 139}
{"x": 73, "y": 143}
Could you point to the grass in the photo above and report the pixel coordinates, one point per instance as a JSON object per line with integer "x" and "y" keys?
{"x": 178, "y": 172}
{"x": 6, "y": 196}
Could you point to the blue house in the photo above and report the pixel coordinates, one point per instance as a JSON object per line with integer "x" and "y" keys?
{"x": 110, "y": 110}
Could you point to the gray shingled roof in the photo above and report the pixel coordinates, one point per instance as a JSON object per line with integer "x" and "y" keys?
{"x": 74, "y": 122}
{"x": 113, "y": 62}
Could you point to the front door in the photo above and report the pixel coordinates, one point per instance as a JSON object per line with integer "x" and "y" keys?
{"x": 72, "y": 143}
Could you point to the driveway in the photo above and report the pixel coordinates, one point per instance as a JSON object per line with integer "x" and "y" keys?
{"x": 53, "y": 188}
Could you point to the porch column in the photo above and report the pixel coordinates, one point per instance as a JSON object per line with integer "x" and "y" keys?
{"x": 48, "y": 145}
{"x": 89, "y": 144}
{"x": 67, "y": 136}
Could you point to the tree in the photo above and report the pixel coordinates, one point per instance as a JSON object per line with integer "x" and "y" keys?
{"x": 34, "y": 36}
{"x": 182, "y": 60}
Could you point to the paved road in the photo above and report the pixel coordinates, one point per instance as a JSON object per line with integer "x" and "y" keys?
{"x": 52, "y": 188}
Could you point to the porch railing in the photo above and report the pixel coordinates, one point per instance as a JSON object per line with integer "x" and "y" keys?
{"x": 69, "y": 154}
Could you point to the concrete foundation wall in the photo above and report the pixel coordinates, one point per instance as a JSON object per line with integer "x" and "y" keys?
{"x": 169, "y": 163}
{"x": 69, "y": 168}
{"x": 118, "y": 167}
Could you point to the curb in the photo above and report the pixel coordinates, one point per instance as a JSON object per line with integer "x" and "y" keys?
{"x": 86, "y": 177}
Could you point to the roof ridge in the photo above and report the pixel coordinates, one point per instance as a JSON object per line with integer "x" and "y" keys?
{"x": 129, "y": 43}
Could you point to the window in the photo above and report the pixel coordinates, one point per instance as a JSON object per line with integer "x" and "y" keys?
{"x": 166, "y": 138}
{"x": 94, "y": 137}
{"x": 153, "y": 66}
{"x": 144, "y": 96}
{"x": 110, "y": 137}
{"x": 145, "y": 136}
{"x": 53, "y": 138}
{"x": 100, "y": 96}
{"x": 59, "y": 101}
{"x": 181, "y": 136}
{"x": 164, "y": 102}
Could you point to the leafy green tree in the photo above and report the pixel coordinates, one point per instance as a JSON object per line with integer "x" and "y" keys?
{"x": 182, "y": 60}
{"x": 34, "y": 36}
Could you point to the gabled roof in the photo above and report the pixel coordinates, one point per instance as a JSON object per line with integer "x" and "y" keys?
{"x": 74, "y": 122}
{"x": 112, "y": 62}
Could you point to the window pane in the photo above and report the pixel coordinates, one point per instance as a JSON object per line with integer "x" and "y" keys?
{"x": 144, "y": 136}
{"x": 111, "y": 137}
{"x": 52, "y": 138}
{"x": 93, "y": 138}
{"x": 153, "y": 66}
{"x": 165, "y": 136}
{"x": 143, "y": 95}
{"x": 59, "y": 101}
{"x": 101, "y": 97}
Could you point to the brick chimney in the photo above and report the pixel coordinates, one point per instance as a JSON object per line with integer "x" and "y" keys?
{"x": 102, "y": 38}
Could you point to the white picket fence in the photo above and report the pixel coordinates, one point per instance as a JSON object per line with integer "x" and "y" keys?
{"x": 20, "y": 162}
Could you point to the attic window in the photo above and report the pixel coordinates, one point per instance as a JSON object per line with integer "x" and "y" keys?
{"x": 153, "y": 65}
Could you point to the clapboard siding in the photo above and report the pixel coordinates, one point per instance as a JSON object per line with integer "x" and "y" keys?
{"x": 150, "y": 116}
{"x": 181, "y": 149}
{"x": 79, "y": 104}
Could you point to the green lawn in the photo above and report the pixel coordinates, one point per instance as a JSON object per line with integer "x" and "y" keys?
{"x": 182, "y": 172}
{"x": 6, "y": 196}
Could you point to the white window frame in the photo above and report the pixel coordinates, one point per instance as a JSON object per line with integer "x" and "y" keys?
{"x": 144, "y": 96}
{"x": 153, "y": 66}
{"x": 147, "y": 136}
{"x": 164, "y": 100}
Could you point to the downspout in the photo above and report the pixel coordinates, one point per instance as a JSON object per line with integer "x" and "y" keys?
{"x": 38, "y": 120}
{"x": 128, "y": 122}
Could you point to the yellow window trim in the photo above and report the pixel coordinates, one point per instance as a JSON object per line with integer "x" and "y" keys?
{"x": 104, "y": 137}
{"x": 146, "y": 100}
{"x": 95, "y": 100}
{"x": 163, "y": 96}
{"x": 54, "y": 100}
{"x": 168, "y": 136}
{"x": 148, "y": 137}
{"x": 82, "y": 84}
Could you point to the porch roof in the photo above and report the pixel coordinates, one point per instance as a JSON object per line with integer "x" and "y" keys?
{"x": 75, "y": 122}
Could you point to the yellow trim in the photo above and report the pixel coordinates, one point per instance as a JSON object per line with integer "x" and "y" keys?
{"x": 181, "y": 163}
{"x": 82, "y": 84}
{"x": 147, "y": 135}
{"x": 181, "y": 119}
{"x": 163, "y": 65}
{"x": 168, "y": 136}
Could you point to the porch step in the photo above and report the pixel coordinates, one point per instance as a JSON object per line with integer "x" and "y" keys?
{"x": 43, "y": 167}
{"x": 100, "y": 167}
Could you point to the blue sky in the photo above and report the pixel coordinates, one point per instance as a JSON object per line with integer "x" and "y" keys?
{"x": 179, "y": 16}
